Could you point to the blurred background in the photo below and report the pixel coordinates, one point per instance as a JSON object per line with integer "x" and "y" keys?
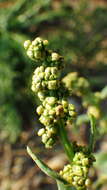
{"x": 77, "y": 29}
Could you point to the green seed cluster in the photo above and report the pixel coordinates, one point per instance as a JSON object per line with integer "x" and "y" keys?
{"x": 37, "y": 51}
{"x": 77, "y": 173}
{"x": 45, "y": 78}
{"x": 51, "y": 112}
{"x": 47, "y": 86}
{"x": 78, "y": 85}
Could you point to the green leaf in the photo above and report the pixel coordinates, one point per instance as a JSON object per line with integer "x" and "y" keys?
{"x": 48, "y": 171}
{"x": 61, "y": 186}
{"x": 93, "y": 132}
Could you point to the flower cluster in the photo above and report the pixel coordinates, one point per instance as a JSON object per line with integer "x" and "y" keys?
{"x": 48, "y": 87}
{"x": 37, "y": 51}
{"x": 45, "y": 78}
{"x": 51, "y": 112}
{"x": 91, "y": 101}
{"x": 77, "y": 173}
{"x": 77, "y": 85}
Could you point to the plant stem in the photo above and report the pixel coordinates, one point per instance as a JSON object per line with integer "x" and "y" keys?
{"x": 68, "y": 147}
{"x": 93, "y": 133}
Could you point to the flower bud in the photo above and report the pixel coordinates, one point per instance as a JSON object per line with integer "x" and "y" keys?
{"x": 37, "y": 41}
{"x": 52, "y": 112}
{"x": 52, "y": 85}
{"x": 37, "y": 55}
{"x": 41, "y": 132}
{"x": 81, "y": 182}
{"x": 41, "y": 95}
{"x": 27, "y": 43}
{"x": 53, "y": 130}
{"x": 33, "y": 87}
{"x": 40, "y": 110}
{"x": 36, "y": 79}
{"x": 37, "y": 71}
{"x": 64, "y": 103}
{"x": 41, "y": 68}
{"x": 94, "y": 111}
{"x": 44, "y": 84}
{"x": 71, "y": 107}
{"x": 55, "y": 56}
{"x": 59, "y": 110}
{"x": 88, "y": 182}
{"x": 49, "y": 143}
{"x": 44, "y": 138}
{"x": 41, "y": 75}
{"x": 45, "y": 42}
{"x": 51, "y": 100}
{"x": 54, "y": 70}
{"x": 85, "y": 161}
{"x": 46, "y": 112}
{"x": 77, "y": 170}
{"x": 48, "y": 70}
{"x": 85, "y": 170}
{"x": 30, "y": 54}
{"x": 38, "y": 86}
{"x": 72, "y": 113}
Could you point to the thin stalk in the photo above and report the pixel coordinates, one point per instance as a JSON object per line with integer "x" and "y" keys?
{"x": 93, "y": 133}
{"x": 68, "y": 147}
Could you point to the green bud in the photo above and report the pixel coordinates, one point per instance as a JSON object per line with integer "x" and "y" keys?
{"x": 77, "y": 170}
{"x": 45, "y": 42}
{"x": 41, "y": 68}
{"x": 54, "y": 70}
{"x": 85, "y": 170}
{"x": 45, "y": 120}
{"x": 31, "y": 48}
{"x": 48, "y": 70}
{"x": 81, "y": 182}
{"x": 41, "y": 75}
{"x": 52, "y": 130}
{"x": 33, "y": 87}
{"x": 71, "y": 107}
{"x": 52, "y": 112}
{"x": 72, "y": 113}
{"x": 76, "y": 178}
{"x": 36, "y": 79}
{"x": 44, "y": 84}
{"x": 48, "y": 107}
{"x": 37, "y": 41}
{"x": 37, "y": 55}
{"x": 27, "y": 43}
{"x": 52, "y": 85}
{"x": 49, "y": 143}
{"x": 41, "y": 96}
{"x": 64, "y": 103}
{"x": 85, "y": 161}
{"x": 30, "y": 54}
{"x": 40, "y": 109}
{"x": 41, "y": 132}
{"x": 88, "y": 182}
{"x": 51, "y": 100}
{"x": 55, "y": 56}
{"x": 46, "y": 112}
{"x": 38, "y": 86}
{"x": 44, "y": 138}
{"x": 37, "y": 71}
{"x": 36, "y": 48}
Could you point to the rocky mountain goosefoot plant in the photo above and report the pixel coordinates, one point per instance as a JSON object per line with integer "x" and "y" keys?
{"x": 55, "y": 113}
